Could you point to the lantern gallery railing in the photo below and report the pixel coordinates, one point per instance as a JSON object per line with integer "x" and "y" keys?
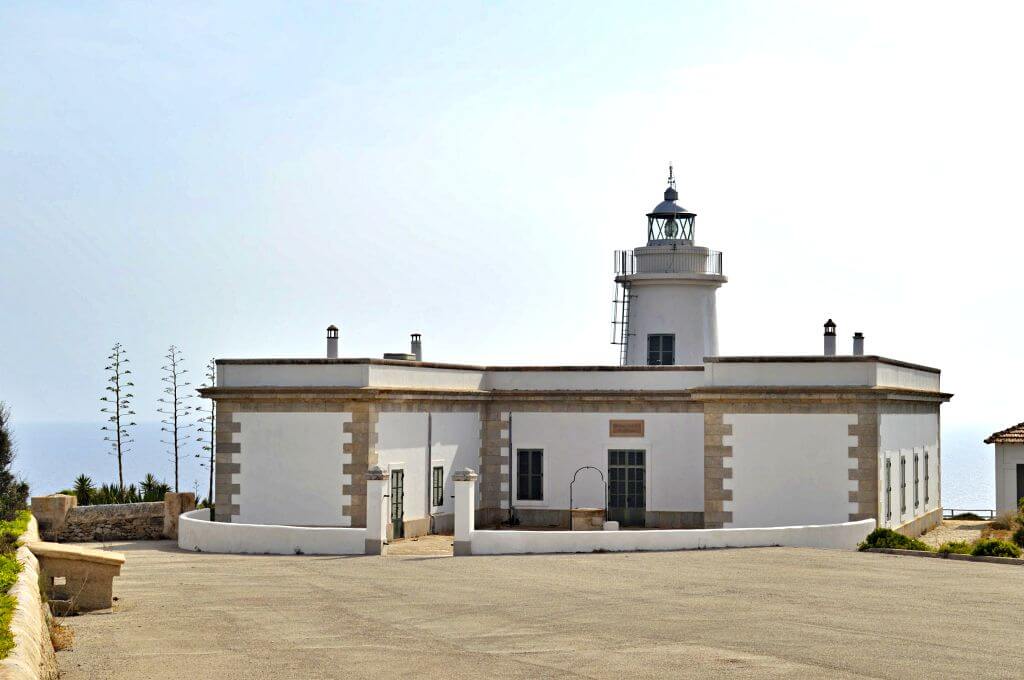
{"x": 675, "y": 262}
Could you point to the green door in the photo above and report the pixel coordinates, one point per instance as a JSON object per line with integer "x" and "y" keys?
{"x": 397, "y": 503}
{"x": 627, "y": 489}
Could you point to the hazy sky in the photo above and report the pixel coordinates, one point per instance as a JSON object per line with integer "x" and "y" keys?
{"x": 233, "y": 179}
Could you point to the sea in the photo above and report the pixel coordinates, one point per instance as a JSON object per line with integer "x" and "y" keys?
{"x": 50, "y": 455}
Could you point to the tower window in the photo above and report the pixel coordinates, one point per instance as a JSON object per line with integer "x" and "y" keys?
{"x": 661, "y": 349}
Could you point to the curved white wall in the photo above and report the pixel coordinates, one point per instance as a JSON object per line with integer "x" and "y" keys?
{"x": 684, "y": 308}
{"x": 197, "y": 533}
{"x": 841, "y": 536}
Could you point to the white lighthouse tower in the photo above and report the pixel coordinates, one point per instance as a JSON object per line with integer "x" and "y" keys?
{"x": 665, "y": 302}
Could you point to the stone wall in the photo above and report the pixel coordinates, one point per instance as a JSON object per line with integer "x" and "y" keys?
{"x": 61, "y": 520}
{"x": 120, "y": 522}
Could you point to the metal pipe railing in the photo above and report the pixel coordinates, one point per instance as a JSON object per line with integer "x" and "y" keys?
{"x": 627, "y": 262}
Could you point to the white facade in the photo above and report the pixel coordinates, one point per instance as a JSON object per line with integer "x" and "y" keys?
{"x": 789, "y": 469}
{"x": 292, "y": 470}
{"x": 908, "y": 467}
{"x": 402, "y": 444}
{"x": 1009, "y": 489}
{"x": 673, "y": 444}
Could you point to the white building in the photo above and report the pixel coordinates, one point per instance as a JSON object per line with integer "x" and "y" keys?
{"x": 674, "y": 437}
{"x": 1009, "y": 466}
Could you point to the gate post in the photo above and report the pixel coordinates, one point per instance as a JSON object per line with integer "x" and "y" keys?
{"x": 465, "y": 510}
{"x": 376, "y": 506}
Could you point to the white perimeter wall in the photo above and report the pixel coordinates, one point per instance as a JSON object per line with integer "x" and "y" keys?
{"x": 290, "y": 468}
{"x": 196, "y": 532}
{"x": 1008, "y": 457}
{"x": 789, "y": 469}
{"x": 841, "y": 536}
{"x": 402, "y": 443}
{"x": 674, "y": 443}
{"x": 904, "y": 434}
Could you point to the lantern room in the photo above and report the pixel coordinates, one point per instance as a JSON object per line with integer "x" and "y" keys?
{"x": 669, "y": 221}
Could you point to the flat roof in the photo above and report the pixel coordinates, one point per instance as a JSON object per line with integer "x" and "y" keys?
{"x": 472, "y": 367}
{"x": 458, "y": 367}
{"x": 808, "y": 359}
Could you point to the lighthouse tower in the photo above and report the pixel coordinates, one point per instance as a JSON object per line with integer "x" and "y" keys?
{"x": 665, "y": 300}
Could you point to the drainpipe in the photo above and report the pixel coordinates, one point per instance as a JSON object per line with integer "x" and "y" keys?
{"x": 512, "y": 519}
{"x": 430, "y": 470}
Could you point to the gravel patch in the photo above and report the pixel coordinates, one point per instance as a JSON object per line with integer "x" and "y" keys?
{"x": 954, "y": 530}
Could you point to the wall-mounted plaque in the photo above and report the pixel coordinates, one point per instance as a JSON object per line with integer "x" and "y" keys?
{"x": 625, "y": 428}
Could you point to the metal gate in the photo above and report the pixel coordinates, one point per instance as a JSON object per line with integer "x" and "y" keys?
{"x": 397, "y": 503}
{"x": 627, "y": 489}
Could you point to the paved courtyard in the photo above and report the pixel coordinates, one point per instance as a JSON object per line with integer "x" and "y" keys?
{"x": 752, "y": 613}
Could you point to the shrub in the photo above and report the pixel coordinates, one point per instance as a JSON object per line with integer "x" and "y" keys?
{"x": 957, "y": 547}
{"x": 10, "y": 531}
{"x": 887, "y": 538}
{"x": 1004, "y": 521}
{"x": 990, "y": 547}
{"x": 13, "y": 491}
{"x": 1018, "y": 537}
{"x": 7, "y": 604}
{"x": 1020, "y": 505}
{"x": 968, "y": 515}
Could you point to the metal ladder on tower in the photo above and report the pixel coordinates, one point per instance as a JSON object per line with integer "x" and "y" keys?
{"x": 620, "y": 320}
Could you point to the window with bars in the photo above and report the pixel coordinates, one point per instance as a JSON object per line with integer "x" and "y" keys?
{"x": 530, "y": 480}
{"x": 927, "y": 477}
{"x": 661, "y": 349}
{"x": 437, "y": 485}
{"x": 903, "y": 484}
{"x": 917, "y": 481}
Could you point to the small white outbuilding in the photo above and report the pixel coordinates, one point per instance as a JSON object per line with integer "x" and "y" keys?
{"x": 1009, "y": 466}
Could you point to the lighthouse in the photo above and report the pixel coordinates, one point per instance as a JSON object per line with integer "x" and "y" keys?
{"x": 665, "y": 291}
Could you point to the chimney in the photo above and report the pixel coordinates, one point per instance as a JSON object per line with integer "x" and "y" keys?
{"x": 332, "y": 342}
{"x": 858, "y": 344}
{"x": 416, "y": 348}
{"x": 830, "y": 338}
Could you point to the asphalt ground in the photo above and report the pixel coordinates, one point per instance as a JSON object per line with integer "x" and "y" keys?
{"x": 740, "y": 613}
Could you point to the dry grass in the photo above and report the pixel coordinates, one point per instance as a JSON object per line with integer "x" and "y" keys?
{"x": 999, "y": 534}
{"x": 1004, "y": 521}
{"x": 62, "y": 636}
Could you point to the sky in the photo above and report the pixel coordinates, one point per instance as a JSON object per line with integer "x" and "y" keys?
{"x": 233, "y": 177}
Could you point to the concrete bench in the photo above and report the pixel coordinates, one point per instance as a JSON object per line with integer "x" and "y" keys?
{"x": 77, "y": 579}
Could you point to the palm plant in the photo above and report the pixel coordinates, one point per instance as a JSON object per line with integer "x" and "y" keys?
{"x": 105, "y": 495}
{"x": 84, "y": 489}
{"x": 130, "y": 495}
{"x": 152, "y": 489}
